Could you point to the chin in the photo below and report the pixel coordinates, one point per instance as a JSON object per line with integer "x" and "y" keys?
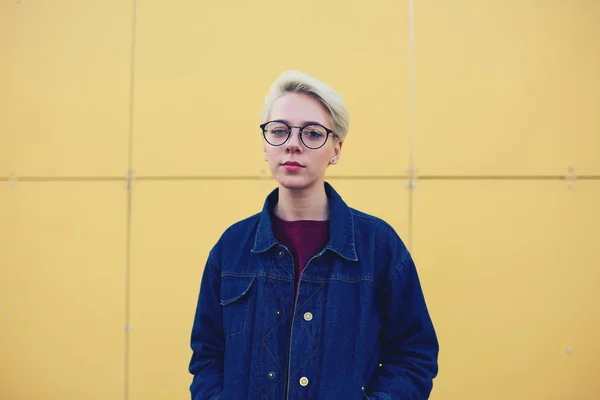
{"x": 294, "y": 182}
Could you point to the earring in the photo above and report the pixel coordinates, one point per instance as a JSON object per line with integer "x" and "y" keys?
{"x": 333, "y": 160}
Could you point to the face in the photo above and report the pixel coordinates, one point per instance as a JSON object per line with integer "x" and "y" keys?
{"x": 293, "y": 165}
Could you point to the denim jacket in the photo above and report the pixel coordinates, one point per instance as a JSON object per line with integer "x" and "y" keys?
{"x": 358, "y": 329}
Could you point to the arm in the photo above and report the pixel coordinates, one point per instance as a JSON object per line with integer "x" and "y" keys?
{"x": 409, "y": 345}
{"x": 208, "y": 341}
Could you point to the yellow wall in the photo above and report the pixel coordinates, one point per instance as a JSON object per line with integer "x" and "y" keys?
{"x": 493, "y": 103}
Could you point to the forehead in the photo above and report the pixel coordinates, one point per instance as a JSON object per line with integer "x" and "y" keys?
{"x": 297, "y": 108}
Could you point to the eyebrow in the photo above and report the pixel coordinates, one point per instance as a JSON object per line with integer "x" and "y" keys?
{"x": 304, "y": 123}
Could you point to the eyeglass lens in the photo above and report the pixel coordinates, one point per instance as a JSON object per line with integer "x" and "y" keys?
{"x": 313, "y": 136}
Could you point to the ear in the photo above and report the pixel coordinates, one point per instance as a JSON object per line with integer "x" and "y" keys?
{"x": 337, "y": 150}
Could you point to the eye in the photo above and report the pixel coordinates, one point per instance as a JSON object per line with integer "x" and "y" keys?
{"x": 315, "y": 134}
{"x": 276, "y": 129}
{"x": 279, "y": 131}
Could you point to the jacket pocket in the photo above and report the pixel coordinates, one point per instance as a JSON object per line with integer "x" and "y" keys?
{"x": 235, "y": 293}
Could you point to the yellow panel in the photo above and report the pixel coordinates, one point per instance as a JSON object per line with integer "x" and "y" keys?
{"x": 174, "y": 226}
{"x": 510, "y": 271}
{"x": 62, "y": 290}
{"x": 507, "y": 87}
{"x": 64, "y": 103}
{"x": 202, "y": 77}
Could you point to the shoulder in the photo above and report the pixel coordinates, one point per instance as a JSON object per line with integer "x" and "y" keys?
{"x": 238, "y": 235}
{"x": 370, "y": 225}
{"x": 241, "y": 227}
{"x": 378, "y": 242}
{"x": 370, "y": 220}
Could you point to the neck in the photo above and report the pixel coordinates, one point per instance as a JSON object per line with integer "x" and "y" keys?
{"x": 306, "y": 204}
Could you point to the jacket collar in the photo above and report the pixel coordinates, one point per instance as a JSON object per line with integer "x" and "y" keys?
{"x": 341, "y": 225}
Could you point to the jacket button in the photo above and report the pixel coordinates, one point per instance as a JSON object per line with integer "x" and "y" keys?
{"x": 304, "y": 381}
{"x": 271, "y": 375}
{"x": 308, "y": 316}
{"x": 280, "y": 254}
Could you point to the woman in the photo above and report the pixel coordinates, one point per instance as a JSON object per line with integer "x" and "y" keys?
{"x": 310, "y": 299}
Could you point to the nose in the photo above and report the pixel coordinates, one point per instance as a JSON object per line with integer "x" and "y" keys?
{"x": 293, "y": 144}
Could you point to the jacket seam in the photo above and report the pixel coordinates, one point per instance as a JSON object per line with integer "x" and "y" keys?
{"x": 256, "y": 275}
{"x": 362, "y": 278}
{"x": 398, "y": 269}
{"x": 305, "y": 362}
{"x": 298, "y": 307}
{"x": 218, "y": 395}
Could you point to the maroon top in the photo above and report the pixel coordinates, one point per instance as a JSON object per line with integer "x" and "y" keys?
{"x": 303, "y": 238}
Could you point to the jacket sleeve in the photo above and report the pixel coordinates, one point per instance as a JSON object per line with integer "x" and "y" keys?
{"x": 409, "y": 345}
{"x": 207, "y": 339}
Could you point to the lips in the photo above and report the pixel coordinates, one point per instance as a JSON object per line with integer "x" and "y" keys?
{"x": 292, "y": 166}
{"x": 293, "y": 163}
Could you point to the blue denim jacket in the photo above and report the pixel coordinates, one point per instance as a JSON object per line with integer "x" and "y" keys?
{"x": 359, "y": 328}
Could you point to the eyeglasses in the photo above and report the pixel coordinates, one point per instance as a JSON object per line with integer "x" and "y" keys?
{"x": 313, "y": 136}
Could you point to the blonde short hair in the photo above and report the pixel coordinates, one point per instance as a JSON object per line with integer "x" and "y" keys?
{"x": 297, "y": 82}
